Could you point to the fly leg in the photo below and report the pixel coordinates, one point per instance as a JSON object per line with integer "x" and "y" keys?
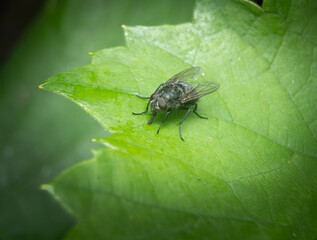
{"x": 159, "y": 87}
{"x": 142, "y": 97}
{"x": 146, "y": 110}
{"x": 180, "y": 124}
{"x": 151, "y": 121}
{"x": 167, "y": 113}
{"x": 195, "y": 108}
{"x": 147, "y": 106}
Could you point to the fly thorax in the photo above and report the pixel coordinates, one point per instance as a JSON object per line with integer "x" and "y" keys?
{"x": 169, "y": 96}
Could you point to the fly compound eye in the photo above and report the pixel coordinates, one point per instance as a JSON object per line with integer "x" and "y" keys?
{"x": 154, "y": 96}
{"x": 162, "y": 103}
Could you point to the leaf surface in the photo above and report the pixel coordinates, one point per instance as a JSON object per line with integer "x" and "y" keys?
{"x": 247, "y": 171}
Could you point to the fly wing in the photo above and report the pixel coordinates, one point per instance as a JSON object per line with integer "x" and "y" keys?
{"x": 192, "y": 73}
{"x": 201, "y": 89}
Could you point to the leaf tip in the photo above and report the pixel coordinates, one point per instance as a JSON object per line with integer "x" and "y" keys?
{"x": 94, "y": 152}
{"x": 100, "y": 140}
{"x": 90, "y": 53}
{"x": 105, "y": 142}
{"x": 47, "y": 187}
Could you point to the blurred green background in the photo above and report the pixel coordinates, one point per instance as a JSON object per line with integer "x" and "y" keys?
{"x": 41, "y": 133}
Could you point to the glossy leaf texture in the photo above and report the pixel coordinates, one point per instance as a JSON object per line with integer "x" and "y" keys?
{"x": 249, "y": 171}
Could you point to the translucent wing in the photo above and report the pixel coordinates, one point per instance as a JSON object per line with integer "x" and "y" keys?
{"x": 192, "y": 73}
{"x": 201, "y": 89}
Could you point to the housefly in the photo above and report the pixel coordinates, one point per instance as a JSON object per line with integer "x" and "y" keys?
{"x": 181, "y": 91}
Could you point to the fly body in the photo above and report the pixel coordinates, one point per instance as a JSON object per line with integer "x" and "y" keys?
{"x": 181, "y": 91}
{"x": 171, "y": 95}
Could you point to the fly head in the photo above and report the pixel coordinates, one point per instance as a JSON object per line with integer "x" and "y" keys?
{"x": 157, "y": 103}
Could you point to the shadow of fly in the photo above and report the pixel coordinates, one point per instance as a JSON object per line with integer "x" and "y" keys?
{"x": 182, "y": 91}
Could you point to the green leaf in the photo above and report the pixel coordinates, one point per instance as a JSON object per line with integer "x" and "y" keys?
{"x": 42, "y": 134}
{"x": 249, "y": 171}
